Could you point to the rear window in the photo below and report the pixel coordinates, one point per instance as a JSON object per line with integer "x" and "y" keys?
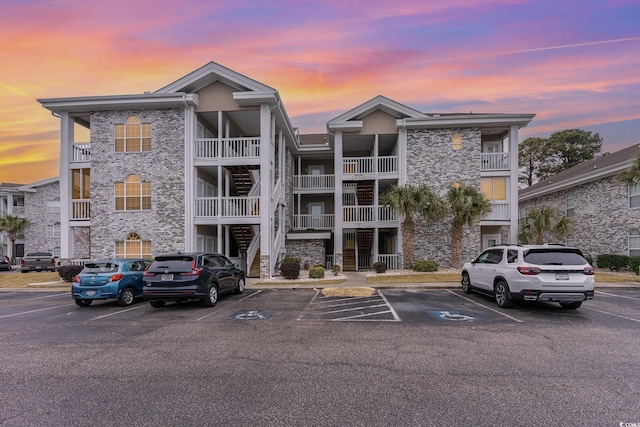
{"x": 554, "y": 257}
{"x": 42, "y": 254}
{"x": 100, "y": 267}
{"x": 173, "y": 263}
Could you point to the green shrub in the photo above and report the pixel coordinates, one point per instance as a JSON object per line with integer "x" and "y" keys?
{"x": 316, "y": 272}
{"x": 612, "y": 262}
{"x": 634, "y": 264}
{"x": 380, "y": 266}
{"x": 425, "y": 265}
{"x": 68, "y": 272}
{"x": 290, "y": 269}
{"x": 291, "y": 258}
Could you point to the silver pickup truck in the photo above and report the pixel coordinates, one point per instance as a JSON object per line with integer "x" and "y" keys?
{"x": 37, "y": 261}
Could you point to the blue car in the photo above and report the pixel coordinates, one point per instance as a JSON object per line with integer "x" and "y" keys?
{"x": 119, "y": 279}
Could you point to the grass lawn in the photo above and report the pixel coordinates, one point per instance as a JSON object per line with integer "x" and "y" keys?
{"x": 19, "y": 280}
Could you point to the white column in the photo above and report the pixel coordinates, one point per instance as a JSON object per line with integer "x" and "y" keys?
{"x": 190, "y": 179}
{"x": 66, "y": 139}
{"x": 266, "y": 234}
{"x": 513, "y": 184}
{"x": 337, "y": 201}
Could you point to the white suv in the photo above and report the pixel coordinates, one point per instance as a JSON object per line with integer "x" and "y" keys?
{"x": 531, "y": 273}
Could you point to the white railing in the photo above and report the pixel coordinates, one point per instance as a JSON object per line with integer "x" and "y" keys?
{"x": 314, "y": 182}
{"x": 391, "y": 260}
{"x": 239, "y": 206}
{"x": 495, "y": 161}
{"x": 367, "y": 165}
{"x": 365, "y": 261}
{"x": 80, "y": 209}
{"x": 318, "y": 222}
{"x": 215, "y": 148}
{"x": 499, "y": 211}
{"x": 369, "y": 213}
{"x": 80, "y": 153}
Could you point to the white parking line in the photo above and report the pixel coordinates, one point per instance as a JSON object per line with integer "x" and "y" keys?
{"x": 116, "y": 312}
{"x": 249, "y": 296}
{"x": 615, "y": 295}
{"x": 33, "y": 311}
{"x": 359, "y": 317}
{"x": 488, "y": 308}
{"x": 48, "y": 296}
{"x": 612, "y": 314}
{"x": 393, "y": 312}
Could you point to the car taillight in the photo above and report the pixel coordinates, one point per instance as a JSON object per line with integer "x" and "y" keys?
{"x": 195, "y": 271}
{"x": 589, "y": 271}
{"x": 116, "y": 277}
{"x": 146, "y": 273}
{"x": 22, "y": 262}
{"x": 53, "y": 261}
{"x": 529, "y": 271}
{"x": 76, "y": 279}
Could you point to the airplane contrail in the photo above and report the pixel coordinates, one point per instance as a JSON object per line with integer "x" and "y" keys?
{"x": 535, "y": 49}
{"x": 16, "y": 90}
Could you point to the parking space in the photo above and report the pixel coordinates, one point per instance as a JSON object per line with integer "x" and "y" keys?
{"x": 615, "y": 308}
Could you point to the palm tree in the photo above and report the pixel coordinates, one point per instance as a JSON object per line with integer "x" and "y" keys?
{"x": 631, "y": 176}
{"x": 467, "y": 205}
{"x": 410, "y": 200}
{"x": 13, "y": 225}
{"x": 540, "y": 221}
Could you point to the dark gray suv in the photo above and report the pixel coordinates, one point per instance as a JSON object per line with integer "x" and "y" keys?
{"x": 191, "y": 276}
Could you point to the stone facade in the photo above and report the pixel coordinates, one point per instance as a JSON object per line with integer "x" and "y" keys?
{"x": 311, "y": 251}
{"x": 163, "y": 167}
{"x": 43, "y": 235}
{"x": 602, "y": 220}
{"x": 431, "y": 160}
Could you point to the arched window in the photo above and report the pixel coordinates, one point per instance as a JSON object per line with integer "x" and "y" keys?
{"x": 133, "y": 247}
{"x": 133, "y": 194}
{"x": 133, "y": 136}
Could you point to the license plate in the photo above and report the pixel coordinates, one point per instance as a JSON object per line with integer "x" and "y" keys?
{"x": 166, "y": 277}
{"x": 562, "y": 276}
{"x": 91, "y": 293}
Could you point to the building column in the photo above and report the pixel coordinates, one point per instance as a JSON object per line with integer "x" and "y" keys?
{"x": 190, "y": 179}
{"x": 513, "y": 187}
{"x": 337, "y": 201}
{"x": 66, "y": 232}
{"x": 266, "y": 233}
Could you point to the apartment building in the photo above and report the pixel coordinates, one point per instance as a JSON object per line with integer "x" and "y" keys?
{"x": 212, "y": 162}
{"x": 605, "y": 211}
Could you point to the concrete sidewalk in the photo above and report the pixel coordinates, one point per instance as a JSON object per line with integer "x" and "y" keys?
{"x": 356, "y": 280}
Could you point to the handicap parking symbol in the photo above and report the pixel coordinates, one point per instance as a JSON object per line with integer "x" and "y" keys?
{"x": 249, "y": 315}
{"x": 450, "y": 315}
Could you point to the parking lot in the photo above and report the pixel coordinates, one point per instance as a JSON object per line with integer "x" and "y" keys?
{"x": 307, "y": 357}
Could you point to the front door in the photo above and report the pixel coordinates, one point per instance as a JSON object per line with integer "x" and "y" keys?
{"x": 317, "y": 210}
{"x": 489, "y": 240}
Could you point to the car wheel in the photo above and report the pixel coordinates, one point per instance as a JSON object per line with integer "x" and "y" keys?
{"x": 157, "y": 304}
{"x": 212, "y": 296}
{"x": 84, "y": 302}
{"x": 127, "y": 297}
{"x": 466, "y": 283}
{"x": 240, "y": 289}
{"x": 501, "y": 293}
{"x": 571, "y": 305}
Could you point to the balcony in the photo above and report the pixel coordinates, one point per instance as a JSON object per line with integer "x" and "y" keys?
{"x": 319, "y": 183}
{"x": 313, "y": 222}
{"x": 227, "y": 148}
{"x": 216, "y": 207}
{"x": 80, "y": 209}
{"x": 499, "y": 211}
{"x": 368, "y": 214}
{"x": 80, "y": 153}
{"x": 495, "y": 162}
{"x": 369, "y": 165}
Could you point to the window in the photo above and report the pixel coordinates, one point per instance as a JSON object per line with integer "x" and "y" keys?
{"x": 456, "y": 141}
{"x": 512, "y": 256}
{"x": 133, "y": 194}
{"x": 133, "y": 247}
{"x": 53, "y": 206}
{"x": 494, "y": 188}
{"x": 634, "y": 196}
{"x": 523, "y": 212}
{"x": 570, "y": 205}
{"x": 80, "y": 179}
{"x": 53, "y": 230}
{"x": 634, "y": 245}
{"x": 133, "y": 136}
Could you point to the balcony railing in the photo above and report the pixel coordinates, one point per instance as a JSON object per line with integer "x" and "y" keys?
{"x": 228, "y": 148}
{"x": 314, "y": 182}
{"x": 80, "y": 153}
{"x": 390, "y": 259}
{"x": 495, "y": 161}
{"x": 368, "y": 165}
{"x": 499, "y": 211}
{"x": 80, "y": 209}
{"x": 214, "y": 207}
{"x": 369, "y": 213}
{"x": 315, "y": 222}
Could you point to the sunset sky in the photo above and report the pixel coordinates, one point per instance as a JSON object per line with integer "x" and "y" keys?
{"x": 576, "y": 64}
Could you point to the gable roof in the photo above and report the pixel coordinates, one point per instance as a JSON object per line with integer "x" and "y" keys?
{"x": 601, "y": 167}
{"x": 352, "y": 119}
